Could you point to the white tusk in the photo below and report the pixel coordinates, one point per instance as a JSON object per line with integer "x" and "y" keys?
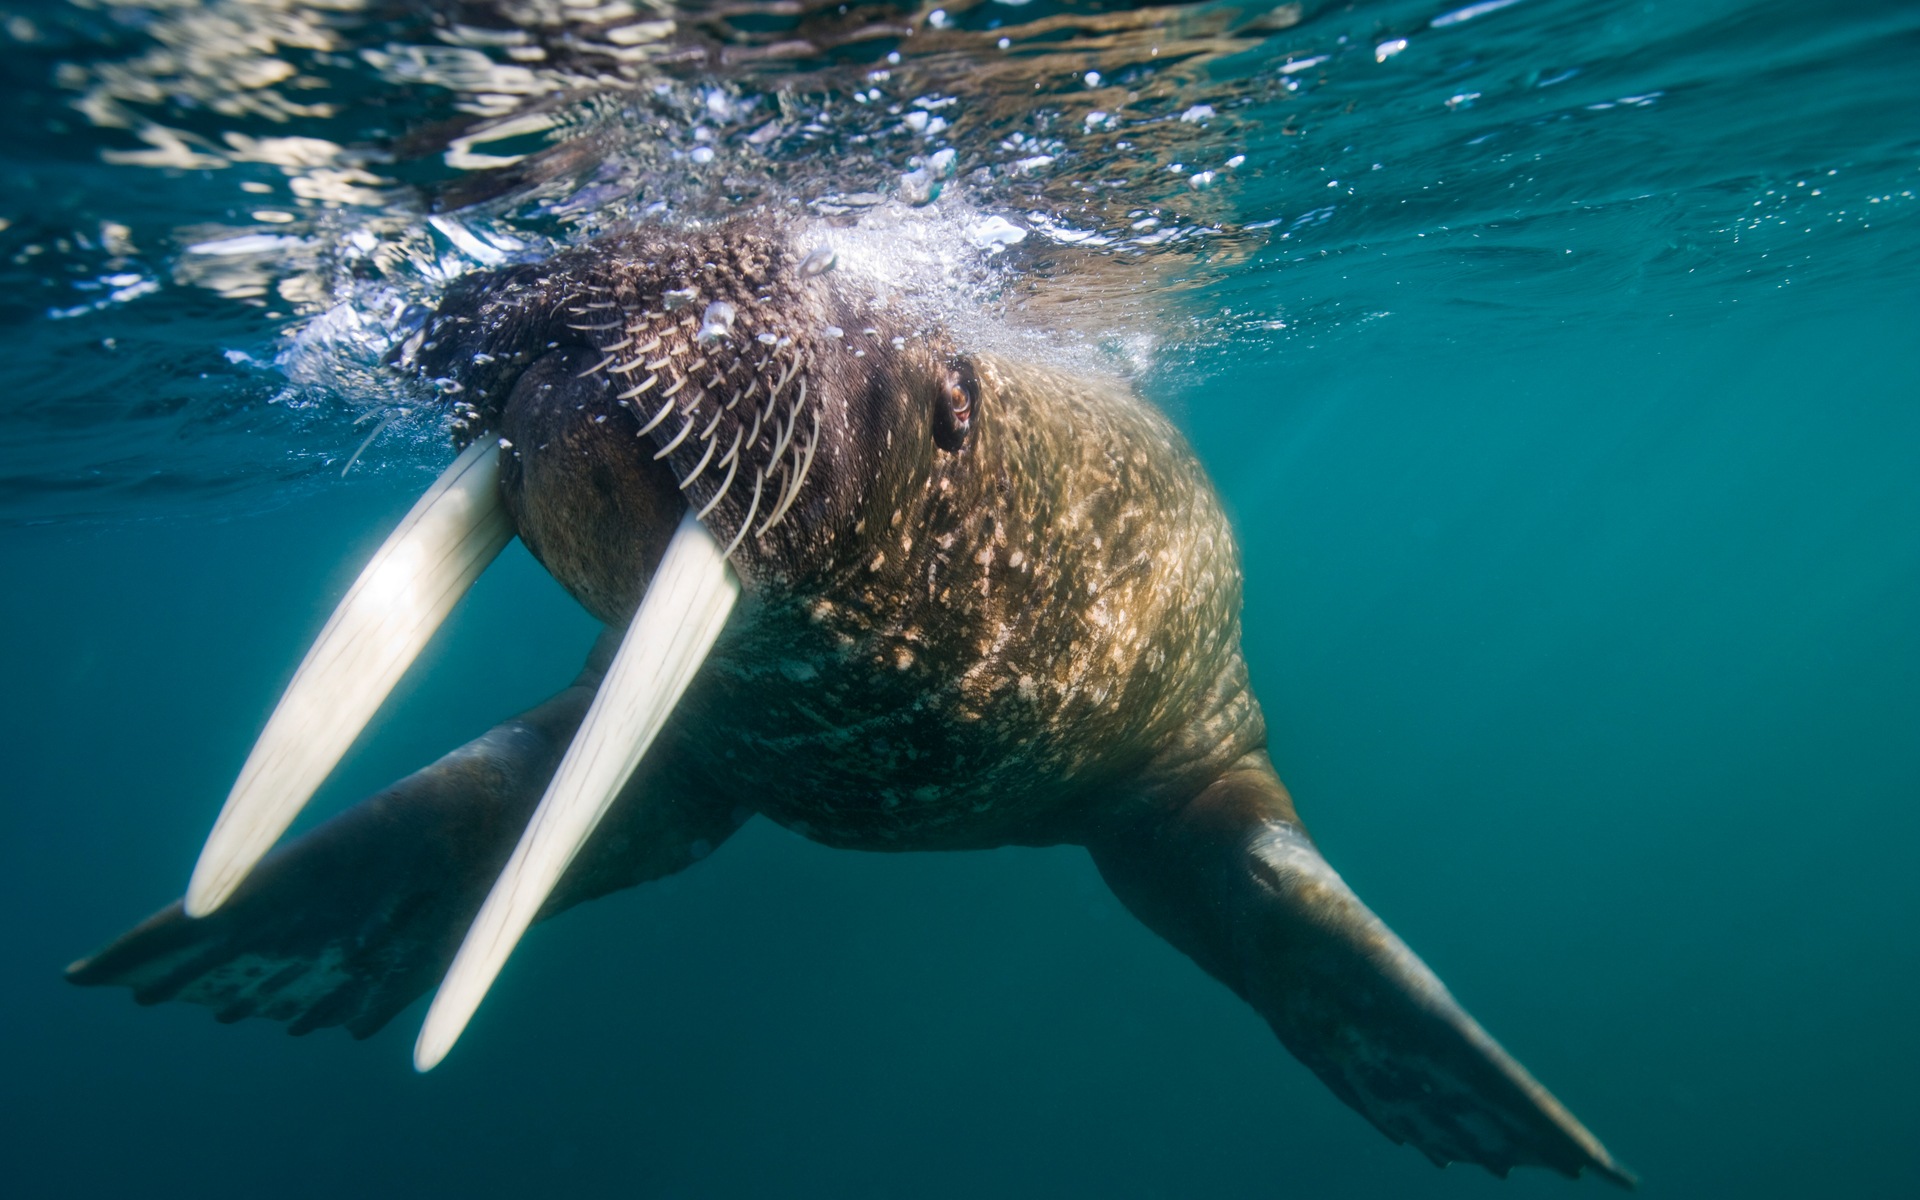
{"x": 389, "y": 614}
{"x": 682, "y": 613}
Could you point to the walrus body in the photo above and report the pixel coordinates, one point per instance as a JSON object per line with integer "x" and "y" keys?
{"x": 983, "y": 603}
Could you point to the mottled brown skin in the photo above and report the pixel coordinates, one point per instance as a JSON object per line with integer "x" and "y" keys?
{"x": 984, "y": 603}
{"x": 1002, "y": 660}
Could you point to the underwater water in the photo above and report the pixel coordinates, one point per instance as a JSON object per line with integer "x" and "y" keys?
{"x": 1559, "y": 363}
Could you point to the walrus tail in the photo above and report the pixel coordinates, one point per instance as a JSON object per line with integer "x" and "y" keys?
{"x": 1233, "y": 880}
{"x": 350, "y": 923}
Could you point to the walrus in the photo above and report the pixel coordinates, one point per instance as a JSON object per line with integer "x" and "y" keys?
{"x": 887, "y": 590}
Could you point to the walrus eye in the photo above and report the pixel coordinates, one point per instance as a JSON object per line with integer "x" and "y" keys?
{"x": 954, "y": 412}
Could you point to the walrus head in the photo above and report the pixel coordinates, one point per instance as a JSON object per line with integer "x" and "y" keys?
{"x": 666, "y": 420}
{"x": 726, "y": 373}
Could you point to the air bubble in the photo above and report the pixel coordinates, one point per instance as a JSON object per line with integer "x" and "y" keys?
{"x": 818, "y": 261}
{"x": 918, "y": 187}
{"x": 996, "y": 233}
{"x": 716, "y": 322}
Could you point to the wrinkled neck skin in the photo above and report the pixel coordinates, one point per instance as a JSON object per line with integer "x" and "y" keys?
{"x": 984, "y": 602}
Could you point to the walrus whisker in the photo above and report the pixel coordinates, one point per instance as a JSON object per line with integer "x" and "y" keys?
{"x": 726, "y": 485}
{"x": 404, "y": 593}
{"x": 718, "y": 415}
{"x": 796, "y": 474}
{"x": 759, "y": 481}
{"x": 598, "y": 367}
{"x": 733, "y": 450}
{"x": 618, "y": 346}
{"x": 591, "y": 328}
{"x": 786, "y": 435}
{"x": 658, "y": 417}
{"x": 805, "y": 465}
{"x": 673, "y": 445}
{"x": 813, "y": 443}
{"x": 686, "y": 605}
{"x": 701, "y": 465}
{"x": 640, "y": 389}
{"x": 678, "y": 383}
{"x": 793, "y": 368}
{"x": 793, "y": 419}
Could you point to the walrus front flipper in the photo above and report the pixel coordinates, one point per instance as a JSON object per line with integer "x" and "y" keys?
{"x": 1233, "y": 880}
{"x": 350, "y": 923}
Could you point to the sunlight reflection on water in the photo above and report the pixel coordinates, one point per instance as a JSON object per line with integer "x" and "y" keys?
{"x": 1148, "y": 187}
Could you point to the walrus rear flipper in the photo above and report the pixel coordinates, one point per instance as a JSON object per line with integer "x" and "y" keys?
{"x": 350, "y": 923}
{"x": 1233, "y": 880}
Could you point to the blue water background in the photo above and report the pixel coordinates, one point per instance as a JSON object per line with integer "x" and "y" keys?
{"x": 1578, "y": 481}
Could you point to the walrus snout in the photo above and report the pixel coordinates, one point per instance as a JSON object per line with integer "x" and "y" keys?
{"x": 595, "y": 513}
{"x": 724, "y": 372}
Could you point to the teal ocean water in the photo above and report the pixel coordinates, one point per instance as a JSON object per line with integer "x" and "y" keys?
{"x": 1559, "y": 363}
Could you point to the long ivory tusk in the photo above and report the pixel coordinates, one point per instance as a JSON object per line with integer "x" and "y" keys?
{"x": 682, "y": 613}
{"x": 414, "y": 580}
